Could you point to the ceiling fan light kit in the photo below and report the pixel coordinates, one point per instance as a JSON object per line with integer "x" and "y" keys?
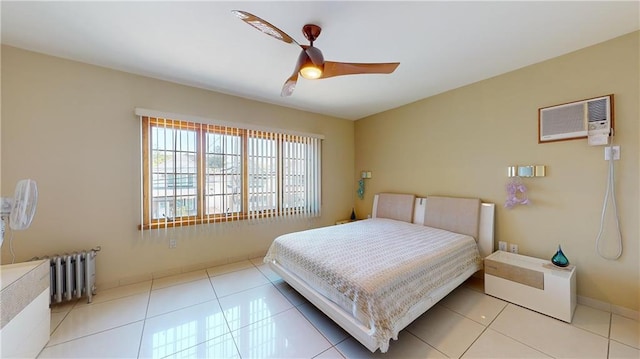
{"x": 310, "y": 71}
{"x": 311, "y": 64}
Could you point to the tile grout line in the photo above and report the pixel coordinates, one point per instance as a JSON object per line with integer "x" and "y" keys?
{"x": 92, "y": 334}
{"x": 425, "y": 342}
{"x": 296, "y": 307}
{"x": 63, "y": 318}
{"x": 609, "y": 334}
{"x": 547, "y": 316}
{"x": 56, "y": 328}
{"x": 226, "y": 321}
{"x": 335, "y": 346}
{"x": 144, "y": 321}
{"x": 514, "y": 339}
{"x": 476, "y": 339}
{"x": 324, "y": 351}
{"x": 485, "y": 327}
{"x": 216, "y": 299}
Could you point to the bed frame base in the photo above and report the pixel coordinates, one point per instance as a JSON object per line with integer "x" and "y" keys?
{"x": 345, "y": 320}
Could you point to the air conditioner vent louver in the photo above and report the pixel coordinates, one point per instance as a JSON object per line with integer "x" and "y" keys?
{"x": 597, "y": 110}
{"x": 568, "y": 119}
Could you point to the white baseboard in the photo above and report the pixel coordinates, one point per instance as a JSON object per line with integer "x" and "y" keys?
{"x": 608, "y": 307}
{"x": 177, "y": 270}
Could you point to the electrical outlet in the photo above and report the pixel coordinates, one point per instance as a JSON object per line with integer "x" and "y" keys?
{"x": 502, "y": 245}
{"x": 513, "y": 248}
{"x": 609, "y": 149}
{"x": 172, "y": 243}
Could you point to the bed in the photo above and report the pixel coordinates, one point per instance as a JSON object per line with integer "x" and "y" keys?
{"x": 374, "y": 277}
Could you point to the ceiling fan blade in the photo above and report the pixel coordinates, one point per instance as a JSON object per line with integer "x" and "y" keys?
{"x": 290, "y": 84}
{"x": 264, "y": 26}
{"x": 332, "y": 69}
{"x": 314, "y": 54}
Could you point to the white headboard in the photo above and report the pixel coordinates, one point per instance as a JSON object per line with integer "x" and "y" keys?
{"x": 396, "y": 206}
{"x": 485, "y": 231}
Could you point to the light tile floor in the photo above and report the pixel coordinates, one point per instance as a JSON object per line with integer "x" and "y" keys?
{"x": 244, "y": 310}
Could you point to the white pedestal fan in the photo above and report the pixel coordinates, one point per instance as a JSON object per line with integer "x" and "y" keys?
{"x": 20, "y": 208}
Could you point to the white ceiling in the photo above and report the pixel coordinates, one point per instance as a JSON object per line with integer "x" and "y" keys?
{"x": 440, "y": 45}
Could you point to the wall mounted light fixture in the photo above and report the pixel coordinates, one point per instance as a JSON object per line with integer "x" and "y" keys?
{"x": 364, "y": 175}
{"x": 527, "y": 171}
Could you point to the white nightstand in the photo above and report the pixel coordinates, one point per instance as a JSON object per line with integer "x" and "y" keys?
{"x": 531, "y": 282}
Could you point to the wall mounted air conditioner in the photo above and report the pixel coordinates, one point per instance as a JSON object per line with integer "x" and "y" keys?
{"x": 591, "y": 118}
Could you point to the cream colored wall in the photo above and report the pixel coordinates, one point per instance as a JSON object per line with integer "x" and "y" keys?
{"x": 71, "y": 127}
{"x": 460, "y": 143}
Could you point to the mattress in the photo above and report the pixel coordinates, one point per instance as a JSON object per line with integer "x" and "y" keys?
{"x": 377, "y": 269}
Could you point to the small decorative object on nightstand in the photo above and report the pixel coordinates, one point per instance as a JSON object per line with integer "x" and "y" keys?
{"x": 559, "y": 258}
{"x": 353, "y": 218}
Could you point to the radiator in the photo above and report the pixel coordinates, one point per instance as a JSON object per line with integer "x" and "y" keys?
{"x": 72, "y": 276}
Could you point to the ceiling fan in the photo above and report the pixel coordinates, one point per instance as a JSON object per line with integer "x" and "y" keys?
{"x": 311, "y": 64}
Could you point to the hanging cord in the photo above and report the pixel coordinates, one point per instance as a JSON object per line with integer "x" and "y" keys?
{"x": 610, "y": 190}
{"x": 3, "y": 229}
{"x": 13, "y": 254}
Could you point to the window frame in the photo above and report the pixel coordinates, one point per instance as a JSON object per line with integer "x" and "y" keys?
{"x": 202, "y": 129}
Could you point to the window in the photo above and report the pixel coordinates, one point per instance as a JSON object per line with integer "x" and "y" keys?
{"x": 196, "y": 173}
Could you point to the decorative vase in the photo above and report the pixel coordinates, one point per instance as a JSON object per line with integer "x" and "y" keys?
{"x": 559, "y": 258}
{"x": 361, "y": 188}
{"x": 353, "y": 214}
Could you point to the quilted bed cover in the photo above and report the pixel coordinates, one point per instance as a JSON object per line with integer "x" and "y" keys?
{"x": 376, "y": 269}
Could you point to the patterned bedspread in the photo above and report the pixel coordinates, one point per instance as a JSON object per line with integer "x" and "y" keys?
{"x": 377, "y": 269}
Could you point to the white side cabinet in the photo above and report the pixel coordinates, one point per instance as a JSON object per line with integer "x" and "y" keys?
{"x": 24, "y": 309}
{"x": 532, "y": 283}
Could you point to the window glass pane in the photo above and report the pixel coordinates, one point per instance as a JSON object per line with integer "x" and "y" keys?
{"x": 162, "y": 208}
{"x": 162, "y": 138}
{"x": 186, "y": 206}
{"x": 214, "y": 143}
{"x": 294, "y": 172}
{"x": 224, "y": 173}
{"x": 214, "y": 205}
{"x": 186, "y": 141}
{"x": 162, "y": 161}
{"x": 263, "y": 170}
{"x": 173, "y": 172}
{"x": 233, "y": 203}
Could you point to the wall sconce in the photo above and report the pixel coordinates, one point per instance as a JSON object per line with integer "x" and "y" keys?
{"x": 363, "y": 175}
{"x": 526, "y": 171}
